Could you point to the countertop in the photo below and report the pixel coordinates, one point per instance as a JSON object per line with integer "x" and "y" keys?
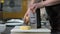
{"x": 17, "y": 29}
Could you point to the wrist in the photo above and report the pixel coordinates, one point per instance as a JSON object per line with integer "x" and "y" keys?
{"x": 42, "y": 4}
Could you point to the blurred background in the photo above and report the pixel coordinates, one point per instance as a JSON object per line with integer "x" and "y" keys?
{"x": 12, "y": 13}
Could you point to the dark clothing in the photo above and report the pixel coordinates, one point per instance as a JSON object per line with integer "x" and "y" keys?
{"x": 1, "y": 6}
{"x": 55, "y": 32}
{"x": 54, "y": 17}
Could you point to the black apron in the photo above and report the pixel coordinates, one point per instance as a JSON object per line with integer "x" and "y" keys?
{"x": 54, "y": 17}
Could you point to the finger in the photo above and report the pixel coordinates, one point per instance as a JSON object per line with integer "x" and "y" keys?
{"x": 32, "y": 7}
{"x": 26, "y": 20}
{"x": 34, "y": 10}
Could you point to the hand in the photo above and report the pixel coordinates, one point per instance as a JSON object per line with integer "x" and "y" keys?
{"x": 36, "y": 5}
{"x": 26, "y": 17}
{"x": 33, "y": 8}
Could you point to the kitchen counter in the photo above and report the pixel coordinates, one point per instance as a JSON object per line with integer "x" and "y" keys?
{"x": 16, "y": 30}
{"x": 5, "y": 28}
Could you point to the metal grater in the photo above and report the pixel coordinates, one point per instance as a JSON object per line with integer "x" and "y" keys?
{"x": 35, "y": 21}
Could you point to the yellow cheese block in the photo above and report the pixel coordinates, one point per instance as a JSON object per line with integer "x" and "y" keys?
{"x": 25, "y": 27}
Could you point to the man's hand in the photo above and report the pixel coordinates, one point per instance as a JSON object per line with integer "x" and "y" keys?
{"x": 26, "y": 16}
{"x": 36, "y": 5}
{"x": 32, "y": 8}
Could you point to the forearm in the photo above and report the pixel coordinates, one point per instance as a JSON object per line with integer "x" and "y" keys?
{"x": 51, "y": 2}
{"x": 30, "y": 3}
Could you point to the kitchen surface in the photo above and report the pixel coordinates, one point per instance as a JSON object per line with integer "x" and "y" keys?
{"x": 17, "y": 30}
{"x": 12, "y": 21}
